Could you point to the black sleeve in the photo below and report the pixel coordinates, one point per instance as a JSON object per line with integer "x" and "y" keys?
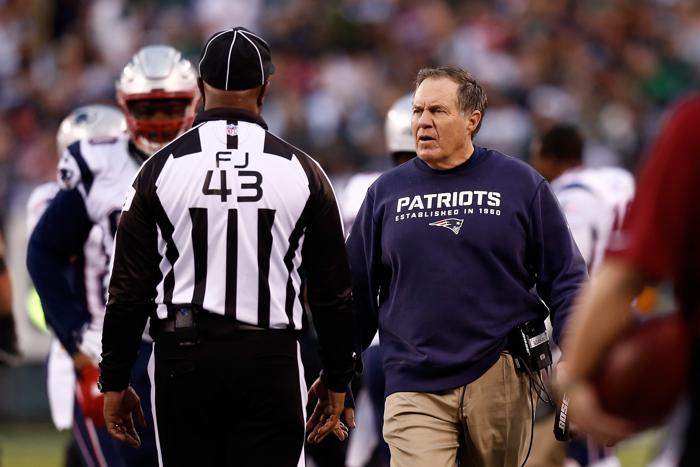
{"x": 59, "y": 236}
{"x": 132, "y": 287}
{"x": 329, "y": 287}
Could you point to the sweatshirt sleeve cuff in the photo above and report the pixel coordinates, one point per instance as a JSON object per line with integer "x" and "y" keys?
{"x": 71, "y": 346}
{"x": 337, "y": 382}
{"x": 110, "y": 383}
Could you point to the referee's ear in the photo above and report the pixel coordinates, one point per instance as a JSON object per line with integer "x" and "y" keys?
{"x": 263, "y": 92}
{"x": 200, "y": 85}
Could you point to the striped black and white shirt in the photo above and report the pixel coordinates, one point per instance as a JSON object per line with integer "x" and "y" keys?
{"x": 233, "y": 219}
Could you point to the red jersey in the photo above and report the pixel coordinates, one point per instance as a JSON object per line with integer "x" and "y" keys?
{"x": 662, "y": 235}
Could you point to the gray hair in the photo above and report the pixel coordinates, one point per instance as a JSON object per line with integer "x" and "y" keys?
{"x": 470, "y": 95}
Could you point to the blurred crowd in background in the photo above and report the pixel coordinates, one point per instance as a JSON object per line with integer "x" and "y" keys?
{"x": 612, "y": 66}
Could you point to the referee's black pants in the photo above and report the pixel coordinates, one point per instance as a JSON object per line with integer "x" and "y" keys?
{"x": 231, "y": 400}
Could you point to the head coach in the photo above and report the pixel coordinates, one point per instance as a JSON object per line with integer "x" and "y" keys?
{"x": 221, "y": 233}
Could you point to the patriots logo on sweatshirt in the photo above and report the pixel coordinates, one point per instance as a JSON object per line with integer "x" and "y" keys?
{"x": 453, "y": 224}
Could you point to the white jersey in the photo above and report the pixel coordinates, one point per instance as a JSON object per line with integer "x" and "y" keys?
{"x": 96, "y": 264}
{"x": 229, "y": 208}
{"x": 353, "y": 194}
{"x": 101, "y": 169}
{"x": 350, "y": 201}
{"x": 60, "y": 372}
{"x": 595, "y": 201}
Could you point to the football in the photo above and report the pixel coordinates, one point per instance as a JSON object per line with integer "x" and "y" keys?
{"x": 643, "y": 374}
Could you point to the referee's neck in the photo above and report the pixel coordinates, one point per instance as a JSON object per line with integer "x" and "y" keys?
{"x": 247, "y": 99}
{"x": 250, "y": 107}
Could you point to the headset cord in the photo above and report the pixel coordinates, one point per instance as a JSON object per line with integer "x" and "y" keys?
{"x": 532, "y": 424}
{"x": 532, "y": 418}
{"x": 538, "y": 383}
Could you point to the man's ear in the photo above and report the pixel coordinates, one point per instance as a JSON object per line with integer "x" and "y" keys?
{"x": 473, "y": 121}
{"x": 200, "y": 85}
{"x": 263, "y": 92}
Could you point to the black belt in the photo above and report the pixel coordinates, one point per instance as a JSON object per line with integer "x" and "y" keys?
{"x": 190, "y": 321}
{"x": 168, "y": 325}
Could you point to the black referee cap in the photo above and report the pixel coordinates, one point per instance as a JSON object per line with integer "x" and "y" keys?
{"x": 235, "y": 59}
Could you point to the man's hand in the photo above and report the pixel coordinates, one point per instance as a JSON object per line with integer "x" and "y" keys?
{"x": 326, "y": 416}
{"x": 90, "y": 398}
{"x": 589, "y": 418}
{"x": 586, "y": 415}
{"x": 121, "y": 408}
{"x": 81, "y": 360}
{"x": 91, "y": 342}
{"x": 349, "y": 417}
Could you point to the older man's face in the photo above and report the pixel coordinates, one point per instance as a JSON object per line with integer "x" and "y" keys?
{"x": 440, "y": 130}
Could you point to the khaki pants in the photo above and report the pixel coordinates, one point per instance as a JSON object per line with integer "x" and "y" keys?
{"x": 546, "y": 450}
{"x": 424, "y": 429}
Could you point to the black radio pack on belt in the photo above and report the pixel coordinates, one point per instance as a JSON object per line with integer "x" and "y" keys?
{"x": 189, "y": 324}
{"x": 185, "y": 325}
{"x": 530, "y": 342}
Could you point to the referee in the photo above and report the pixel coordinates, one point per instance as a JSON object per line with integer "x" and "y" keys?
{"x": 221, "y": 233}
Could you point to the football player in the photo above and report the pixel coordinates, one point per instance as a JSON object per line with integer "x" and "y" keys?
{"x": 157, "y": 91}
{"x": 399, "y": 143}
{"x": 85, "y": 273}
{"x": 594, "y": 201}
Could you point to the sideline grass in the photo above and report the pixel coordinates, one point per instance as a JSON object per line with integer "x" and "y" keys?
{"x": 40, "y": 445}
{"x": 641, "y": 449}
{"x": 32, "y": 445}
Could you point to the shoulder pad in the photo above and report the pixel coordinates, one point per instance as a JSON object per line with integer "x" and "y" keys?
{"x": 68, "y": 175}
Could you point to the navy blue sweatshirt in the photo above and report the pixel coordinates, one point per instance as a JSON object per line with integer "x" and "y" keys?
{"x": 446, "y": 263}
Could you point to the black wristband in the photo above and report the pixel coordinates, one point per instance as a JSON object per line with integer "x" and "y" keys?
{"x": 110, "y": 387}
{"x": 349, "y": 398}
{"x": 334, "y": 382}
{"x": 115, "y": 379}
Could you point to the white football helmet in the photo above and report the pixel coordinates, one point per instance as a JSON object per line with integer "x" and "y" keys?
{"x": 157, "y": 91}
{"x": 90, "y": 121}
{"x": 397, "y": 127}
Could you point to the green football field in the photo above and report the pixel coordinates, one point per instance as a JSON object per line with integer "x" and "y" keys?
{"x": 31, "y": 445}
{"x": 40, "y": 445}
{"x": 639, "y": 451}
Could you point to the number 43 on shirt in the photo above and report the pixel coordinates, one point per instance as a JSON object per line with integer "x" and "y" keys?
{"x": 252, "y": 184}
